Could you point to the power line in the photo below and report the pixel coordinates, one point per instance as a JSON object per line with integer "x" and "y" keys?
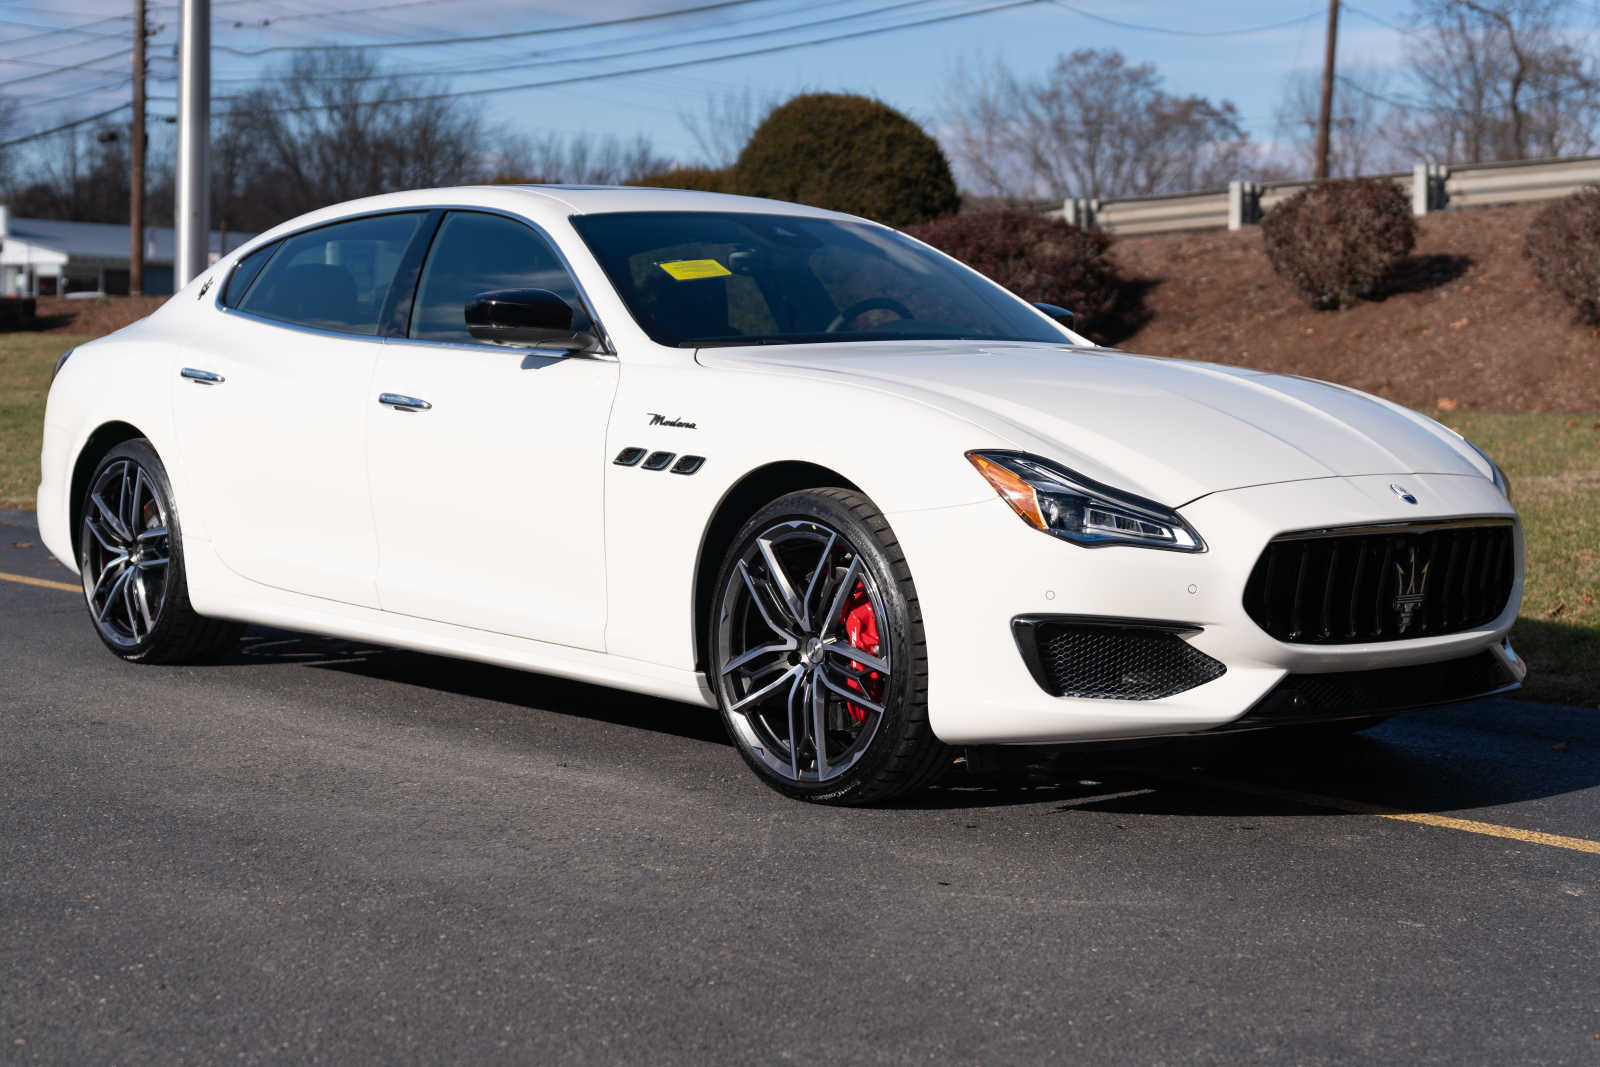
{"x": 63, "y": 69}
{"x": 65, "y": 126}
{"x": 631, "y": 19}
{"x": 543, "y": 59}
{"x": 1185, "y": 33}
{"x": 678, "y": 64}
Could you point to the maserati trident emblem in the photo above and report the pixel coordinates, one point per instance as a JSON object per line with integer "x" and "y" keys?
{"x": 1402, "y": 492}
{"x": 1411, "y": 587}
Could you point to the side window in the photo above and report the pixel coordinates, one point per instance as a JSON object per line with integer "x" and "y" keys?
{"x": 244, "y": 272}
{"x": 475, "y": 253}
{"x": 334, "y": 277}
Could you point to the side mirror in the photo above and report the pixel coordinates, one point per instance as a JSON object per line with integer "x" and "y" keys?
{"x": 532, "y": 318}
{"x": 1060, "y": 314}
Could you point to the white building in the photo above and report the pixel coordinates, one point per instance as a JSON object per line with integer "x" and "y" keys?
{"x": 50, "y": 257}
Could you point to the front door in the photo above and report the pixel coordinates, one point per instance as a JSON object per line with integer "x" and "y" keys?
{"x": 489, "y": 501}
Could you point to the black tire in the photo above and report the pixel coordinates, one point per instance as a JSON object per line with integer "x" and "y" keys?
{"x": 901, "y": 753}
{"x": 148, "y": 617}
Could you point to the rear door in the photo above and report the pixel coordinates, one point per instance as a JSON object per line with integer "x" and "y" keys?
{"x": 271, "y": 407}
{"x": 489, "y": 501}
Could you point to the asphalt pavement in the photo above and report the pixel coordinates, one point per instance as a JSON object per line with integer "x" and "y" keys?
{"x": 325, "y": 852}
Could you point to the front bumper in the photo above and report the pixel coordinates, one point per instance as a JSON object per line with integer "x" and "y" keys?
{"x": 977, "y": 568}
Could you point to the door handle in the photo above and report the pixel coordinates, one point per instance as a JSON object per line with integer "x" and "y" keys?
{"x": 204, "y": 377}
{"x": 401, "y": 402}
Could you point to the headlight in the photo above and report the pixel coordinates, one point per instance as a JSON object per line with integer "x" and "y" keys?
{"x": 1501, "y": 482}
{"x": 1057, "y": 501}
{"x": 62, "y": 362}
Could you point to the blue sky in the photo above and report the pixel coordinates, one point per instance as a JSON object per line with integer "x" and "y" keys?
{"x": 905, "y": 68}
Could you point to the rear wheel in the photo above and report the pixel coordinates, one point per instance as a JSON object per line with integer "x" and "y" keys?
{"x": 817, "y": 653}
{"x": 130, "y": 556}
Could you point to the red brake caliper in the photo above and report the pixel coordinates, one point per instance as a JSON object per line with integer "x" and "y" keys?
{"x": 861, "y": 626}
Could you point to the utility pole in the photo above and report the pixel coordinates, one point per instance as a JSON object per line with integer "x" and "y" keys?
{"x": 1325, "y": 115}
{"x": 194, "y": 136}
{"x": 136, "y": 158}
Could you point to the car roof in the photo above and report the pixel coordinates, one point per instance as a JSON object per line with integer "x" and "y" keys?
{"x": 545, "y": 201}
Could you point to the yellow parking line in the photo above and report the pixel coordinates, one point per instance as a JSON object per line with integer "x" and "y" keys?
{"x": 1426, "y": 818}
{"x": 43, "y": 583}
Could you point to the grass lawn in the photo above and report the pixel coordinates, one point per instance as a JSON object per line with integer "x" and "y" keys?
{"x": 26, "y": 360}
{"x": 1553, "y": 462}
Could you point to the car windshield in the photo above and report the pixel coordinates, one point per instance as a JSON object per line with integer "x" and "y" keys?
{"x": 700, "y": 278}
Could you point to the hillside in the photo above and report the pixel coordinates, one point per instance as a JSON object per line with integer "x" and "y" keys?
{"x": 1465, "y": 327}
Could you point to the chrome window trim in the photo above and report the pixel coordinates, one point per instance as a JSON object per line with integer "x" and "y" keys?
{"x": 608, "y": 350}
{"x": 484, "y": 346}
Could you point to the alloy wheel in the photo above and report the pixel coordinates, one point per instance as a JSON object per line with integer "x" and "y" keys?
{"x": 803, "y": 660}
{"x": 125, "y": 553}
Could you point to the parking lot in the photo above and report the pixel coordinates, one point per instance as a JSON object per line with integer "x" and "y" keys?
{"x": 324, "y": 852}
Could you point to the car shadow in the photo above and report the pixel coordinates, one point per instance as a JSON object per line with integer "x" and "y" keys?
{"x": 1449, "y": 759}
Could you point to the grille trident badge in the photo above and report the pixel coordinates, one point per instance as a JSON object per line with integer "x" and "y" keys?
{"x": 1411, "y": 587}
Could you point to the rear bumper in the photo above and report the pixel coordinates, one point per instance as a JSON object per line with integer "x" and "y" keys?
{"x": 977, "y": 568}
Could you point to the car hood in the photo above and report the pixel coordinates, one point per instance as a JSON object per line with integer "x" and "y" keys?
{"x": 1170, "y": 430}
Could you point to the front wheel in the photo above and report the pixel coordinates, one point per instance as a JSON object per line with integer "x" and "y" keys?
{"x": 130, "y": 556}
{"x": 817, "y": 653}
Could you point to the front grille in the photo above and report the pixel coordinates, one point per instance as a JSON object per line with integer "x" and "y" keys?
{"x": 1111, "y": 661}
{"x": 1301, "y": 698}
{"x": 1382, "y": 583}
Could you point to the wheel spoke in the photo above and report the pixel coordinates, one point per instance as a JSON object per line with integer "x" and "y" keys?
{"x": 816, "y": 575}
{"x": 141, "y": 597}
{"x": 858, "y": 699}
{"x": 150, "y": 563}
{"x": 111, "y": 594}
{"x": 127, "y": 604}
{"x": 797, "y": 722}
{"x": 104, "y": 538}
{"x": 767, "y": 689}
{"x": 836, "y": 609}
{"x": 756, "y": 598}
{"x": 819, "y": 727}
{"x": 153, "y": 533}
{"x": 797, "y": 614}
{"x": 757, "y": 653}
{"x": 855, "y": 655}
{"x": 110, "y": 517}
{"x": 133, "y": 499}
{"x": 120, "y": 562}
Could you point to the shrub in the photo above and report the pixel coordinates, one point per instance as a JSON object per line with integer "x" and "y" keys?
{"x": 1336, "y": 241}
{"x": 851, "y": 154}
{"x": 1037, "y": 258}
{"x": 703, "y": 179}
{"x": 1563, "y": 243}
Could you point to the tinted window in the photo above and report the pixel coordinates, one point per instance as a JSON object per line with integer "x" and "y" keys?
{"x": 244, "y": 272}
{"x": 704, "y": 277}
{"x": 474, "y": 254}
{"x": 334, "y": 277}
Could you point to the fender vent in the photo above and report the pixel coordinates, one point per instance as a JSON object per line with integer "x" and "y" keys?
{"x": 1111, "y": 660}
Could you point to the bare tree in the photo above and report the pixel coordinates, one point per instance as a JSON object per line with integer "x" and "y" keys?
{"x": 1093, "y": 125}
{"x": 332, "y": 126}
{"x": 579, "y": 158}
{"x": 723, "y": 124}
{"x": 1502, "y": 79}
{"x": 79, "y": 174}
{"x": 1359, "y": 139}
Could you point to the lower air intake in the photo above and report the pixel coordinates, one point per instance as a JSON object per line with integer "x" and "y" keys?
{"x": 1112, "y": 660}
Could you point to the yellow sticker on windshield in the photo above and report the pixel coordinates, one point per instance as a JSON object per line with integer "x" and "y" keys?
{"x": 687, "y": 270}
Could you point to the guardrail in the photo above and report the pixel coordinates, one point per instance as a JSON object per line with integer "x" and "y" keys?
{"x": 1433, "y": 187}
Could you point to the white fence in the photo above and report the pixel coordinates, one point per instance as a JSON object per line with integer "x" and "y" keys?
{"x": 1433, "y": 187}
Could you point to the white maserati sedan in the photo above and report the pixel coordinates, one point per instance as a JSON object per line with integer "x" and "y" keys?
{"x": 770, "y": 459}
